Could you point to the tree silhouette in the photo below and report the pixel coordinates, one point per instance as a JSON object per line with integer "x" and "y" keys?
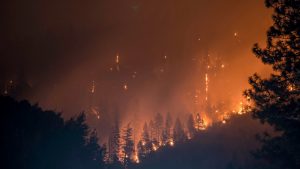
{"x": 158, "y": 124}
{"x": 151, "y": 130}
{"x": 166, "y": 134}
{"x": 144, "y": 145}
{"x": 114, "y": 142}
{"x": 276, "y": 99}
{"x": 128, "y": 145}
{"x": 191, "y": 126}
{"x": 178, "y": 133}
{"x": 34, "y": 139}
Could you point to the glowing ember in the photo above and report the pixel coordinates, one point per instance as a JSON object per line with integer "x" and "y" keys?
{"x": 154, "y": 147}
{"x": 136, "y": 158}
{"x": 189, "y": 136}
{"x": 206, "y": 86}
{"x": 291, "y": 88}
{"x": 172, "y": 143}
{"x": 200, "y": 123}
{"x": 117, "y": 59}
{"x": 93, "y": 87}
{"x": 125, "y": 87}
{"x": 95, "y": 112}
{"x": 241, "y": 109}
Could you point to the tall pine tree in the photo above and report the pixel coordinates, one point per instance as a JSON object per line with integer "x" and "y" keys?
{"x": 178, "y": 132}
{"x": 158, "y": 124}
{"x": 191, "y": 126}
{"x": 128, "y": 145}
{"x": 166, "y": 133}
{"x": 151, "y": 131}
{"x": 276, "y": 99}
{"x": 144, "y": 145}
{"x": 114, "y": 142}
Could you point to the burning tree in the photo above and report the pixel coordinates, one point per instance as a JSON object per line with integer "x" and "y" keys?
{"x": 158, "y": 125}
{"x": 166, "y": 134}
{"x": 144, "y": 145}
{"x": 151, "y": 130}
{"x": 199, "y": 123}
{"x": 191, "y": 126}
{"x": 276, "y": 99}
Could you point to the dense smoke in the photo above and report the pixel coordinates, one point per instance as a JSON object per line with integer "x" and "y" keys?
{"x": 67, "y": 54}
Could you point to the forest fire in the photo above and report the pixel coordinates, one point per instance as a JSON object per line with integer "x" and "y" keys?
{"x": 162, "y": 131}
{"x": 150, "y": 84}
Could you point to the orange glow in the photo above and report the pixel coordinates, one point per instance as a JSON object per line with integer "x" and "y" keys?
{"x": 198, "y": 70}
{"x": 206, "y": 85}
{"x": 125, "y": 87}
{"x": 202, "y": 122}
{"x": 136, "y": 158}
{"x": 93, "y": 87}
{"x": 171, "y": 143}
{"x": 154, "y": 147}
{"x": 241, "y": 108}
{"x": 117, "y": 59}
{"x": 291, "y": 87}
{"x": 189, "y": 136}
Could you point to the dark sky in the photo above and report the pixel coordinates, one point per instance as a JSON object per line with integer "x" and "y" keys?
{"x": 59, "y": 48}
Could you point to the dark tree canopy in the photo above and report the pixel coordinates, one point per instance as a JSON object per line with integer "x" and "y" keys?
{"x": 114, "y": 142}
{"x": 128, "y": 145}
{"x": 37, "y": 139}
{"x": 191, "y": 125}
{"x": 277, "y": 98}
{"x": 178, "y": 132}
{"x": 219, "y": 147}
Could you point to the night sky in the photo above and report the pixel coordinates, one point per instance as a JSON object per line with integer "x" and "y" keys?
{"x": 135, "y": 57}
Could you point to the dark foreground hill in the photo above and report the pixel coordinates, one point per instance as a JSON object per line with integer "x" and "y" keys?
{"x": 35, "y": 139}
{"x": 224, "y": 146}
